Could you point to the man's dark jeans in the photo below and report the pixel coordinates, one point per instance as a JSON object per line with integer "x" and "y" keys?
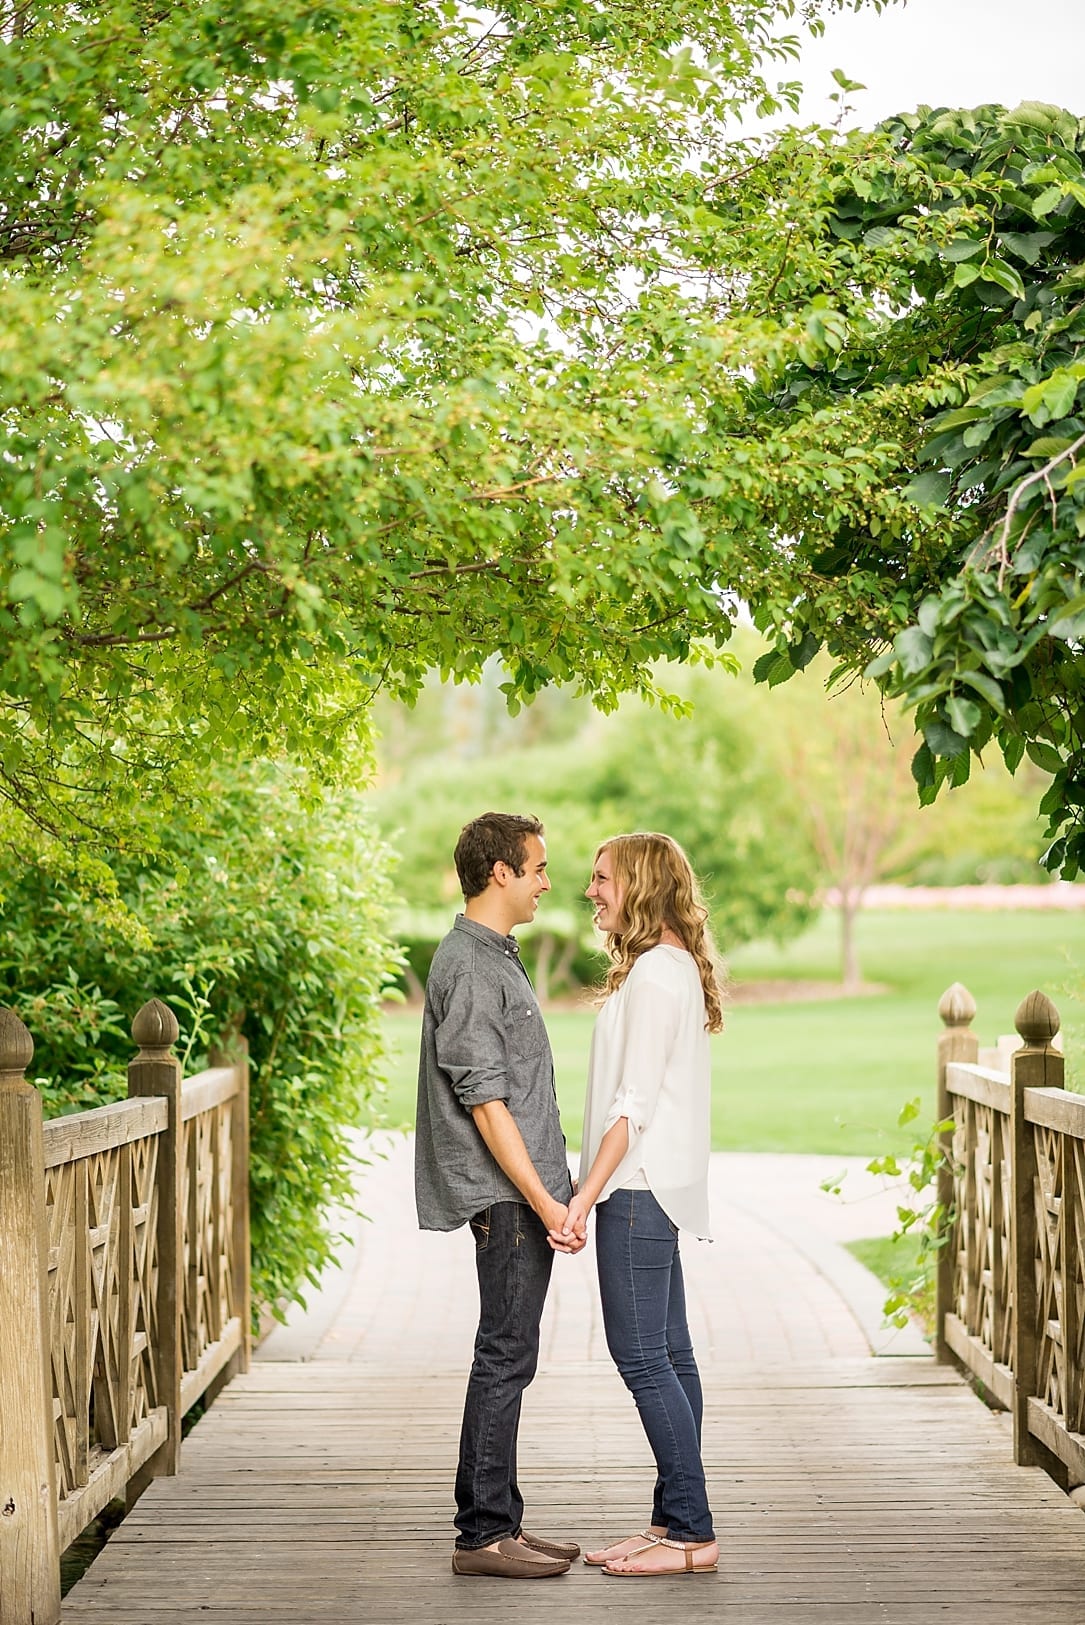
{"x": 514, "y": 1260}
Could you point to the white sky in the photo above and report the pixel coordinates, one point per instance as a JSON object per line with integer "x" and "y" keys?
{"x": 953, "y": 53}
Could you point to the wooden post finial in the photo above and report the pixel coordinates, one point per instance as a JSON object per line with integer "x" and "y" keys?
{"x": 16, "y": 1044}
{"x": 155, "y": 1028}
{"x": 956, "y": 1006}
{"x": 1036, "y": 1020}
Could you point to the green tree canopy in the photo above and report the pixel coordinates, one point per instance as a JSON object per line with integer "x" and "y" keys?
{"x": 329, "y": 343}
{"x": 344, "y": 343}
{"x": 957, "y": 361}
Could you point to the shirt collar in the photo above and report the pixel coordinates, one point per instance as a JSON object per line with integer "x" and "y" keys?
{"x": 484, "y": 933}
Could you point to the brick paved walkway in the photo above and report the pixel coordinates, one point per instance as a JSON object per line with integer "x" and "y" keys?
{"x": 775, "y": 1284}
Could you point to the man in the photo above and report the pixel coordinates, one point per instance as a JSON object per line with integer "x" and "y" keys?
{"x": 489, "y": 1150}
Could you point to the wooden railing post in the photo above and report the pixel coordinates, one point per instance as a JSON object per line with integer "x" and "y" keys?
{"x": 958, "y": 1042}
{"x": 29, "y": 1542}
{"x": 155, "y": 1070}
{"x": 1035, "y": 1066}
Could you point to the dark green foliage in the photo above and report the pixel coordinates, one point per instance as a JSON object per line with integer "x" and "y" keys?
{"x": 271, "y": 921}
{"x": 705, "y": 779}
{"x": 973, "y": 232}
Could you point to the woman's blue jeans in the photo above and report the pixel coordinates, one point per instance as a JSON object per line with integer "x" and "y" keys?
{"x": 513, "y": 1258}
{"x": 644, "y": 1314}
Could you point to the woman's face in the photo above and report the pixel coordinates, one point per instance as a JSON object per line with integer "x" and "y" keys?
{"x": 606, "y": 894}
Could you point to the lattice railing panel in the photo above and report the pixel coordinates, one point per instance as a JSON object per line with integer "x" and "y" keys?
{"x": 145, "y": 1395}
{"x": 209, "y": 1300}
{"x": 980, "y": 1236}
{"x": 1060, "y": 1275}
{"x": 101, "y": 1212}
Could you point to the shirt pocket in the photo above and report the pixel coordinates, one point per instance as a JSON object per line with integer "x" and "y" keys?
{"x": 525, "y": 1031}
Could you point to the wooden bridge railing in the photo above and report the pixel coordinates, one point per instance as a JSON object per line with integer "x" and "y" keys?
{"x": 124, "y": 1290}
{"x": 1011, "y": 1281}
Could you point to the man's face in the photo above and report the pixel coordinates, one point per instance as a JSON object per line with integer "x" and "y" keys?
{"x": 522, "y": 892}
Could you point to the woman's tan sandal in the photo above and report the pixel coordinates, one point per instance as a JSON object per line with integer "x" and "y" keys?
{"x": 620, "y": 1548}
{"x": 689, "y": 1565}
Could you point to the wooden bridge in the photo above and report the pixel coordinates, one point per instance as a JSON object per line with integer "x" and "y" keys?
{"x": 848, "y": 1486}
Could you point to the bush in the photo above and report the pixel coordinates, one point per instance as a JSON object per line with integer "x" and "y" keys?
{"x": 266, "y": 914}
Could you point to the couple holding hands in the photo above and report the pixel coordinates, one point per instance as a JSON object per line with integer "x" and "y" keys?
{"x": 489, "y": 1151}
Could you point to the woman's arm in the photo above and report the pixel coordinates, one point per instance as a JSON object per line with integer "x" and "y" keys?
{"x": 649, "y": 1025}
{"x": 612, "y": 1148}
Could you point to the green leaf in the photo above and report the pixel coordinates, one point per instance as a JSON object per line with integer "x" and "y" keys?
{"x": 928, "y": 490}
{"x": 964, "y": 715}
{"x": 1004, "y": 276}
{"x": 1048, "y": 445}
{"x": 942, "y": 739}
{"x": 962, "y": 248}
{"x": 880, "y": 665}
{"x": 1048, "y": 199}
{"x": 1064, "y": 623}
{"x": 29, "y": 586}
{"x": 923, "y": 766}
{"x": 1028, "y": 245}
{"x": 929, "y": 614}
{"x": 800, "y": 654}
{"x": 1013, "y": 750}
{"x": 1044, "y": 755}
{"x": 773, "y": 668}
{"x": 913, "y": 650}
{"x": 1052, "y": 397}
{"x": 987, "y": 686}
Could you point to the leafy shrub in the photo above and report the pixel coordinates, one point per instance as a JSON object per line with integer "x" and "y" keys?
{"x": 265, "y": 916}
{"x": 705, "y": 779}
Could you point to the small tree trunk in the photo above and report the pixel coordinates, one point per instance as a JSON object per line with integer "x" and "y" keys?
{"x": 564, "y": 967}
{"x": 544, "y": 954}
{"x": 851, "y": 901}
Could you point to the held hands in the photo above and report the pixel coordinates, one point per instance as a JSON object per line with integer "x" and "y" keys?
{"x": 561, "y": 1236}
{"x": 569, "y": 1234}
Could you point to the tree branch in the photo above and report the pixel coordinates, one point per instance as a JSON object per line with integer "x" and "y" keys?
{"x": 1001, "y": 547}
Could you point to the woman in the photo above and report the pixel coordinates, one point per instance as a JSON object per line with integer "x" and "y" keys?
{"x": 645, "y": 1163}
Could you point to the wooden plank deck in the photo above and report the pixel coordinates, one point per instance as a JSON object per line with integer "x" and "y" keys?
{"x": 847, "y": 1490}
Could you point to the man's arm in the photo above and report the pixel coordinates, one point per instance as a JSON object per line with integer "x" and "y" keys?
{"x": 506, "y": 1145}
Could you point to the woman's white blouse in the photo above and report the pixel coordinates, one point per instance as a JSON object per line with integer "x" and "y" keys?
{"x": 650, "y": 1063}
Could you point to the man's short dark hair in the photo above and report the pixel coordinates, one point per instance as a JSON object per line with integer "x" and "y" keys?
{"x": 492, "y": 838}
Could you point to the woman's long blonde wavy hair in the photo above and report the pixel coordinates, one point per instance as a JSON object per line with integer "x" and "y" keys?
{"x": 659, "y": 890}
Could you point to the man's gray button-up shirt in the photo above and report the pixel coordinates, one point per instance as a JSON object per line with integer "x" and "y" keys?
{"x": 483, "y": 1039}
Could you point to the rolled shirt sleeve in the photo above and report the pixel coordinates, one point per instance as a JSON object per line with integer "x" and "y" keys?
{"x": 652, "y": 1021}
{"x": 470, "y": 1042}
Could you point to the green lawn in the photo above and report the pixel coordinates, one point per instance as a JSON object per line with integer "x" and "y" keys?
{"x": 831, "y": 1076}
{"x": 895, "y": 1261}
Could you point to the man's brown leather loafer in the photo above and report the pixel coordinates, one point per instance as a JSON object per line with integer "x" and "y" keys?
{"x": 553, "y": 1548}
{"x": 508, "y": 1560}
